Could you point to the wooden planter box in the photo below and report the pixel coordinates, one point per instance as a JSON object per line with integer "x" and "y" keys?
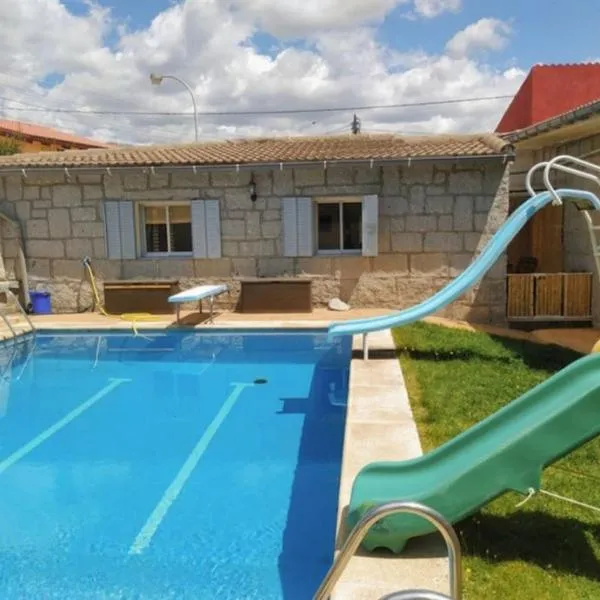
{"x": 278, "y": 295}
{"x": 139, "y": 295}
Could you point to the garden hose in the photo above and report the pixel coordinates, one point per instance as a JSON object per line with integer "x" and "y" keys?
{"x": 130, "y": 317}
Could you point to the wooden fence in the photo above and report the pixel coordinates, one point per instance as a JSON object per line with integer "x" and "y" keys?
{"x": 549, "y": 296}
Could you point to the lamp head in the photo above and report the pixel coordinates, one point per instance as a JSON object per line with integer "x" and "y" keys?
{"x": 156, "y": 79}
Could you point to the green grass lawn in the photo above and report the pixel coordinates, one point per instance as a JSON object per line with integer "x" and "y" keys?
{"x": 546, "y": 549}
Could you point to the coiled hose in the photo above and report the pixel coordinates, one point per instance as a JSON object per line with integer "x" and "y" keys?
{"x": 130, "y": 317}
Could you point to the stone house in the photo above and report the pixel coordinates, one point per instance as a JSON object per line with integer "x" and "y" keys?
{"x": 379, "y": 221}
{"x": 556, "y": 242}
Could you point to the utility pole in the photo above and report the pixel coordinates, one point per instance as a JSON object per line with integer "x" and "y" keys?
{"x": 355, "y": 124}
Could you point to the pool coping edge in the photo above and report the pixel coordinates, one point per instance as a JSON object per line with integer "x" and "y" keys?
{"x": 380, "y": 426}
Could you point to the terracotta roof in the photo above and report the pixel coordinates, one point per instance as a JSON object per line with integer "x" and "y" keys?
{"x": 46, "y": 134}
{"x": 579, "y": 113}
{"x": 270, "y": 151}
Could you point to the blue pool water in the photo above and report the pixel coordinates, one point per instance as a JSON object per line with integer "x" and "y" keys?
{"x": 170, "y": 465}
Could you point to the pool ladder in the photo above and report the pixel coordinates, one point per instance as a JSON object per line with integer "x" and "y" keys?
{"x": 360, "y": 531}
{"x": 10, "y": 295}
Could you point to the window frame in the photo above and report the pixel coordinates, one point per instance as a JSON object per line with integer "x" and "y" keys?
{"x": 339, "y": 200}
{"x": 141, "y": 221}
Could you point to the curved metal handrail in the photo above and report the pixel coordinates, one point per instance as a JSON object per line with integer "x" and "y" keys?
{"x": 11, "y": 328}
{"x": 374, "y": 515}
{"x": 416, "y": 595}
{"x": 529, "y": 176}
{"x": 554, "y": 163}
{"x": 11, "y": 294}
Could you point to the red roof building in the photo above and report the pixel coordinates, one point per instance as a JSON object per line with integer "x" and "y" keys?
{"x": 551, "y": 90}
{"x": 33, "y": 138}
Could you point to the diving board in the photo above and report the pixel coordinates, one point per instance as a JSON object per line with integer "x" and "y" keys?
{"x": 197, "y": 294}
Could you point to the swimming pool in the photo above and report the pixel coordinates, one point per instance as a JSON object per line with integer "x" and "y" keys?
{"x": 170, "y": 465}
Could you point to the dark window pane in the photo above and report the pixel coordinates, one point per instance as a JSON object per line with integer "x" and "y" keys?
{"x": 156, "y": 237}
{"x": 181, "y": 237}
{"x": 180, "y": 220}
{"x": 328, "y": 227}
{"x": 352, "y": 217}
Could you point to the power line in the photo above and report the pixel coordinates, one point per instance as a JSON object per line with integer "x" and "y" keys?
{"x": 37, "y": 108}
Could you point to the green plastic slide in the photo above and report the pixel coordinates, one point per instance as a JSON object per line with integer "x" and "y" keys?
{"x": 506, "y": 451}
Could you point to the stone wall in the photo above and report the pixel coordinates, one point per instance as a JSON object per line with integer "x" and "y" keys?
{"x": 433, "y": 220}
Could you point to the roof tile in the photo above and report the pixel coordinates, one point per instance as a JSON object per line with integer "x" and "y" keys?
{"x": 269, "y": 151}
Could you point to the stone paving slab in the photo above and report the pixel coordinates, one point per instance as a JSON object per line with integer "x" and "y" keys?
{"x": 380, "y": 426}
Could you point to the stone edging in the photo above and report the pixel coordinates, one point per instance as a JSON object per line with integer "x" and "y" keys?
{"x": 380, "y": 426}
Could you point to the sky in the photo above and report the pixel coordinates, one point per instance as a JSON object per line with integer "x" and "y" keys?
{"x": 83, "y": 65}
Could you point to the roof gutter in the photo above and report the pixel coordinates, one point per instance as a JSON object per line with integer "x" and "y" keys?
{"x": 569, "y": 118}
{"x": 507, "y": 156}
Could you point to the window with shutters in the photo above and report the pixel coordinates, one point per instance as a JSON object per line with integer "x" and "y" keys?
{"x": 166, "y": 229}
{"x": 339, "y": 225}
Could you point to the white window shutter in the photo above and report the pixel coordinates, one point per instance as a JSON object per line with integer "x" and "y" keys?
{"x": 120, "y": 229}
{"x": 213, "y": 229}
{"x": 290, "y": 226}
{"x": 112, "y": 229}
{"x": 199, "y": 238}
{"x": 305, "y": 226}
{"x": 127, "y": 229}
{"x": 370, "y": 227}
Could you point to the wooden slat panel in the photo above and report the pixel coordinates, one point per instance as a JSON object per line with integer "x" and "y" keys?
{"x": 548, "y": 295}
{"x": 547, "y": 240}
{"x": 521, "y": 243}
{"x": 520, "y": 296}
{"x": 578, "y": 294}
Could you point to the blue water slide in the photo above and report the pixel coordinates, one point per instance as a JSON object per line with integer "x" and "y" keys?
{"x": 473, "y": 273}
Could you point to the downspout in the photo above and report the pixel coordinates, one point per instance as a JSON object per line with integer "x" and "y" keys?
{"x": 24, "y": 279}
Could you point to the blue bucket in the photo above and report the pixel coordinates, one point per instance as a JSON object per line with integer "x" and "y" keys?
{"x": 40, "y": 303}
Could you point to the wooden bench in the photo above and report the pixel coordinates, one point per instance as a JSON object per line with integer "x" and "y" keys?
{"x": 276, "y": 295}
{"x": 139, "y": 295}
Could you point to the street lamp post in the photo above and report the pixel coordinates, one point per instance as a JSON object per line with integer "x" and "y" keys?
{"x": 158, "y": 79}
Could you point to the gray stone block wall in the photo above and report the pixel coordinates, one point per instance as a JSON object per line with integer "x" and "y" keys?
{"x": 433, "y": 220}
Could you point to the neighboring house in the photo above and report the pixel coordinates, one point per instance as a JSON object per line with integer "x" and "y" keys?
{"x": 35, "y": 138}
{"x": 548, "y": 91}
{"x": 380, "y": 221}
{"x": 555, "y": 246}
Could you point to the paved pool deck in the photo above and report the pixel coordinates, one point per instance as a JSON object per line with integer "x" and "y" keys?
{"x": 379, "y": 426}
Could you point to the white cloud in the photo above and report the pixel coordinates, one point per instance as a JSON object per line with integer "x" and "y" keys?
{"x": 291, "y": 18}
{"x": 42, "y": 35}
{"x": 210, "y": 44}
{"x": 434, "y": 8}
{"x": 485, "y": 34}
